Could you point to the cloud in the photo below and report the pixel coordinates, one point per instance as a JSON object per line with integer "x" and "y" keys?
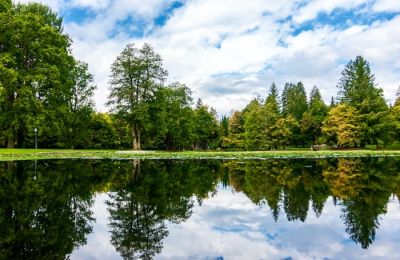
{"x": 386, "y": 6}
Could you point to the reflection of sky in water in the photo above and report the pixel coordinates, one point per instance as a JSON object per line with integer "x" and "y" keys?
{"x": 230, "y": 226}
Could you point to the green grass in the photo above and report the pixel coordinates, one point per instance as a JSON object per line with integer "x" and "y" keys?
{"x": 32, "y": 154}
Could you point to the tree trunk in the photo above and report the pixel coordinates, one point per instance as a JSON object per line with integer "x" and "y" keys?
{"x": 136, "y": 138}
{"x": 11, "y": 142}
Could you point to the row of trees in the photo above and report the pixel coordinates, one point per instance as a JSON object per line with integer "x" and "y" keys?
{"x": 43, "y": 87}
{"x": 357, "y": 117}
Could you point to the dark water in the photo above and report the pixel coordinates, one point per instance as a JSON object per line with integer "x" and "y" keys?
{"x": 272, "y": 209}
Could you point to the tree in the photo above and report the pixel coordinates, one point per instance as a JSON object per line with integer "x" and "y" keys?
{"x": 294, "y": 100}
{"x": 205, "y": 126}
{"x": 312, "y": 119}
{"x": 136, "y": 75}
{"x": 294, "y": 103}
{"x": 254, "y": 125}
{"x": 34, "y": 65}
{"x": 172, "y": 118}
{"x": 271, "y": 117}
{"x": 235, "y": 139}
{"x": 342, "y": 126}
{"x": 273, "y": 99}
{"x": 80, "y": 106}
{"x": 357, "y": 88}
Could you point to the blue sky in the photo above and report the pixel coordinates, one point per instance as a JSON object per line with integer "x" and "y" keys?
{"x": 230, "y": 51}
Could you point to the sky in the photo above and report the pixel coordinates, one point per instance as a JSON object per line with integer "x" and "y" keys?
{"x": 229, "y": 52}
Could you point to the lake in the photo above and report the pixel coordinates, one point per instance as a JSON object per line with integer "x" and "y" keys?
{"x": 342, "y": 208}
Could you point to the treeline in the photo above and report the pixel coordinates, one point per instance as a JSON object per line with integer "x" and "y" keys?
{"x": 357, "y": 117}
{"x": 44, "y": 90}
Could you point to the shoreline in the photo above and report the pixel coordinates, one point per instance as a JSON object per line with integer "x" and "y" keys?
{"x": 48, "y": 154}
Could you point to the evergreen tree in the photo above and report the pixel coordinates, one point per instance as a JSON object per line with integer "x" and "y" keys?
{"x": 312, "y": 120}
{"x": 357, "y": 88}
{"x": 205, "y": 126}
{"x": 273, "y": 99}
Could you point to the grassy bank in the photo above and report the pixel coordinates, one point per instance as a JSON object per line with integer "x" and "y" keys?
{"x": 31, "y": 154}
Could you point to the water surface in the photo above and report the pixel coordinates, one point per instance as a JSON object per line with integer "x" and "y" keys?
{"x": 204, "y": 209}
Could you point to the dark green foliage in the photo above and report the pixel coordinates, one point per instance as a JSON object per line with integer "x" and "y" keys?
{"x": 205, "y": 127}
{"x": 172, "y": 118}
{"x": 312, "y": 119}
{"x": 294, "y": 100}
{"x": 5, "y": 5}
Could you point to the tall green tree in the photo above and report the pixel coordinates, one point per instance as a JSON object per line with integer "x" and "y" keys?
{"x": 312, "y": 119}
{"x": 294, "y": 100}
{"x": 254, "y": 124}
{"x": 273, "y": 99}
{"x": 271, "y": 113}
{"x": 172, "y": 118}
{"x": 235, "y": 139}
{"x": 357, "y": 88}
{"x": 80, "y": 107}
{"x": 205, "y": 126}
{"x": 136, "y": 75}
{"x": 294, "y": 103}
{"x": 34, "y": 65}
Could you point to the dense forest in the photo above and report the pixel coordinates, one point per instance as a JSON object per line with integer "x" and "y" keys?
{"x": 44, "y": 88}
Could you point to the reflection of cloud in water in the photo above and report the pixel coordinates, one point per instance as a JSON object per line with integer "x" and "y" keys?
{"x": 98, "y": 243}
{"x": 229, "y": 225}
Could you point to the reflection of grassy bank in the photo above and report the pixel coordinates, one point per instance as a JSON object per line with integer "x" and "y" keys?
{"x": 31, "y": 154}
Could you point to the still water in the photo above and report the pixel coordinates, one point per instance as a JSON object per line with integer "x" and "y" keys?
{"x": 203, "y": 209}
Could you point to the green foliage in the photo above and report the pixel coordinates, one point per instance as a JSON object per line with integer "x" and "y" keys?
{"x": 357, "y": 88}
{"x": 5, "y": 5}
{"x": 311, "y": 122}
{"x": 172, "y": 118}
{"x": 34, "y": 72}
{"x": 136, "y": 75}
{"x": 294, "y": 100}
{"x": 205, "y": 127}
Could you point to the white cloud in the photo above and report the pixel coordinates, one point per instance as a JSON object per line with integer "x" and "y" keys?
{"x": 386, "y": 6}
{"x": 94, "y": 4}
{"x": 313, "y": 8}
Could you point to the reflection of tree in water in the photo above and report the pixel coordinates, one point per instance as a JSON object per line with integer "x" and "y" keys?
{"x": 146, "y": 195}
{"x": 285, "y": 185}
{"x": 364, "y": 187}
{"x": 45, "y": 208}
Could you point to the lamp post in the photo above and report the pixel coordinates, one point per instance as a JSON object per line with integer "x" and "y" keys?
{"x": 35, "y": 137}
